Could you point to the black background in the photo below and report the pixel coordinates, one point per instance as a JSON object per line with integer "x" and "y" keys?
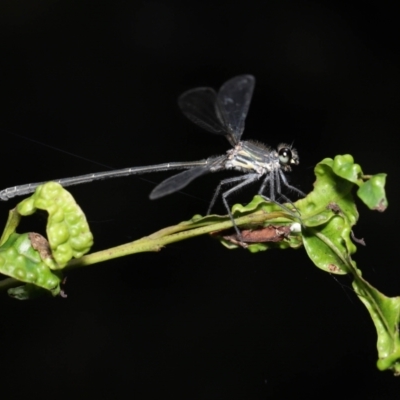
{"x": 100, "y": 80}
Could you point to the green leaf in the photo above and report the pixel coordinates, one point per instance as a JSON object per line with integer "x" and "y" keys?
{"x": 345, "y": 167}
{"x": 372, "y": 193}
{"x": 258, "y": 204}
{"x": 331, "y": 196}
{"x": 328, "y": 214}
{"x": 19, "y": 260}
{"x": 67, "y": 229}
{"x": 385, "y": 314}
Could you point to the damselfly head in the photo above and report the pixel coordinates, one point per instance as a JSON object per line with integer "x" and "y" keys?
{"x": 287, "y": 156}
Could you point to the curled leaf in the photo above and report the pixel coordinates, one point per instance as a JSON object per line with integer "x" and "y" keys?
{"x": 67, "y": 229}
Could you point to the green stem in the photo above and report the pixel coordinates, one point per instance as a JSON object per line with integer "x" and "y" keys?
{"x": 157, "y": 240}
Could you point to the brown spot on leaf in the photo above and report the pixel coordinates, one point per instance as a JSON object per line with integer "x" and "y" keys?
{"x": 40, "y": 244}
{"x": 333, "y": 268}
{"x": 334, "y": 207}
{"x": 381, "y": 207}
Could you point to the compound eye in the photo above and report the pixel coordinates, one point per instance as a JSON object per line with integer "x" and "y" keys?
{"x": 285, "y": 155}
